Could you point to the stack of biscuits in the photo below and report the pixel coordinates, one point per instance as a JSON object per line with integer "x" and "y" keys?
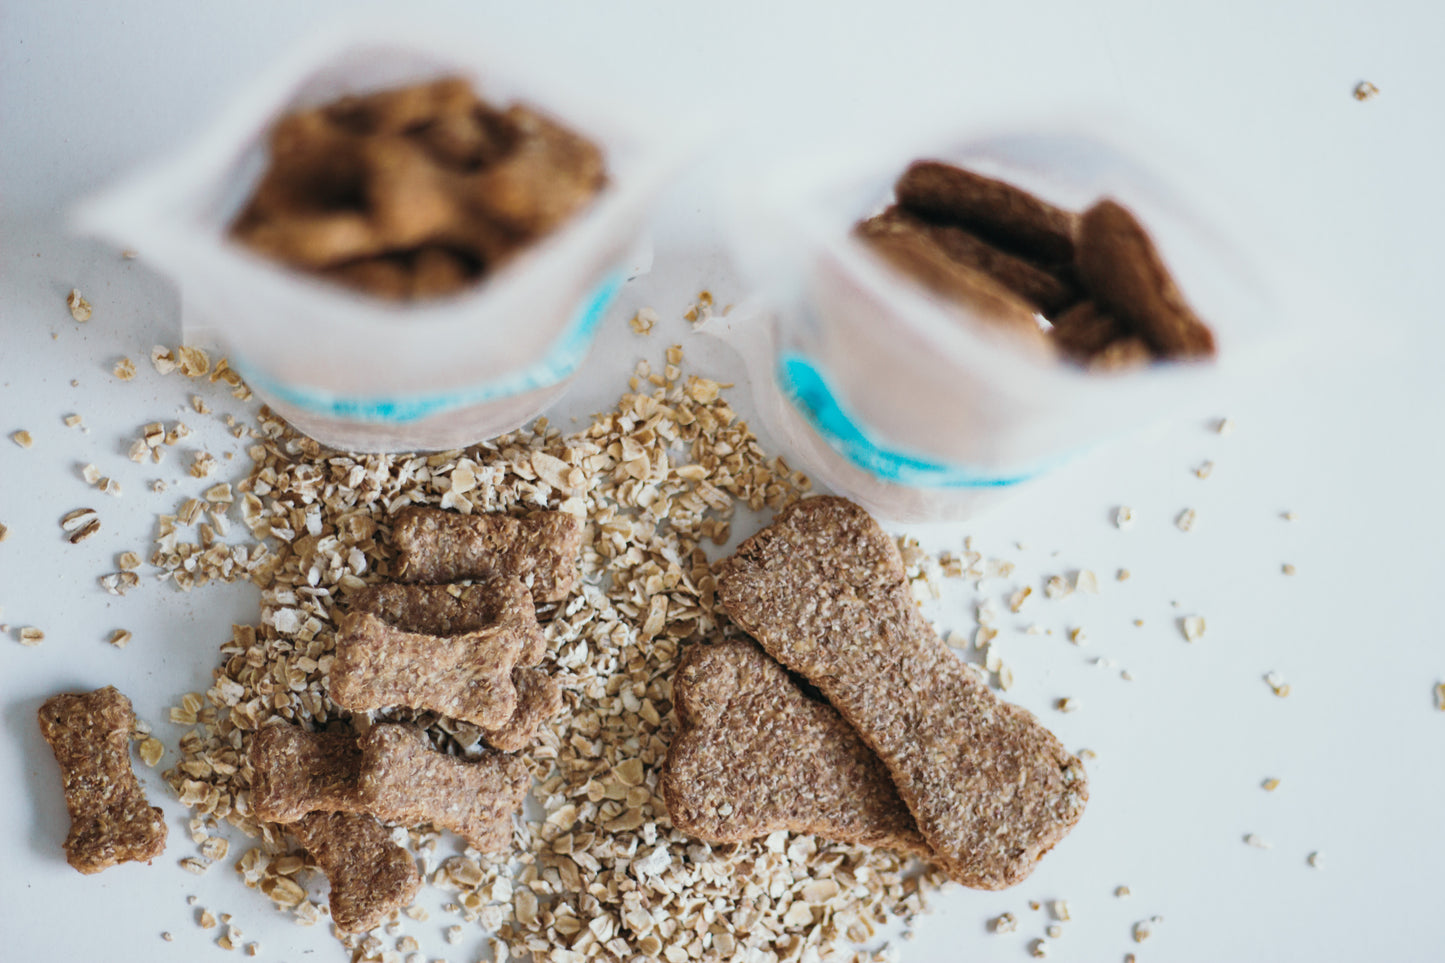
{"x": 849, "y": 718}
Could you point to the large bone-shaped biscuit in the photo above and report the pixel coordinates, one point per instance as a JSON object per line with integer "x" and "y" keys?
{"x": 753, "y": 754}
{"x": 390, "y": 772}
{"x": 370, "y": 875}
{"x": 540, "y": 548}
{"x": 467, "y": 677}
{"x": 823, "y": 589}
{"x": 110, "y": 820}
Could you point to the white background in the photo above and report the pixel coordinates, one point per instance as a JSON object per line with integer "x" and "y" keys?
{"x": 1354, "y": 447}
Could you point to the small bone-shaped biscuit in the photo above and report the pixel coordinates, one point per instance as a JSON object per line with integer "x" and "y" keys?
{"x": 391, "y": 772}
{"x": 295, "y": 771}
{"x": 540, "y": 548}
{"x": 405, "y": 781}
{"x": 467, "y": 677}
{"x": 457, "y": 609}
{"x": 370, "y": 875}
{"x": 824, "y": 590}
{"x": 753, "y": 755}
{"x": 110, "y": 821}
{"x": 539, "y": 698}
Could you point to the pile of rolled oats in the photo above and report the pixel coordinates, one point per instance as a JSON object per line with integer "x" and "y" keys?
{"x": 600, "y": 873}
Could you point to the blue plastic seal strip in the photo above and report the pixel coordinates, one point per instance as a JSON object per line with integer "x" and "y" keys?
{"x": 812, "y": 395}
{"x": 559, "y": 364}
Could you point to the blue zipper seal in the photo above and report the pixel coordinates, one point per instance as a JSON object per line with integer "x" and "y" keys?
{"x": 559, "y": 364}
{"x": 812, "y": 394}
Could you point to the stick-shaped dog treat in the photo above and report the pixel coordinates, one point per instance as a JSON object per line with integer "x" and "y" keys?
{"x": 370, "y": 875}
{"x": 467, "y": 677}
{"x": 1124, "y": 272}
{"x": 540, "y": 548}
{"x": 405, "y": 781}
{"x": 1006, "y": 215}
{"x": 753, "y": 755}
{"x": 295, "y": 771}
{"x": 110, "y": 820}
{"x": 457, "y": 609}
{"x": 539, "y": 698}
{"x": 824, "y": 590}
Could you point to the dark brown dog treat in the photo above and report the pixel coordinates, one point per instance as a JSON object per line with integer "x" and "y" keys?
{"x": 1000, "y": 212}
{"x": 457, "y": 610}
{"x": 402, "y": 110}
{"x": 466, "y": 141}
{"x": 550, "y": 174}
{"x": 110, "y": 819}
{"x": 438, "y": 271}
{"x": 825, "y": 592}
{"x": 914, "y": 254}
{"x": 540, "y": 548}
{"x": 1125, "y": 274}
{"x": 753, "y": 755}
{"x": 407, "y": 782}
{"x": 384, "y": 277}
{"x": 466, "y": 677}
{"x": 1126, "y": 354}
{"x": 539, "y": 698}
{"x": 1046, "y": 292}
{"x": 295, "y": 771}
{"x": 1084, "y": 330}
{"x": 371, "y": 877}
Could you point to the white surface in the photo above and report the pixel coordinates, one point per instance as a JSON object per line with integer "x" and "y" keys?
{"x": 1354, "y": 448}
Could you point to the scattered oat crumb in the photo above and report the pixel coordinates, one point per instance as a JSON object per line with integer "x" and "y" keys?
{"x": 1287, "y": 568}
{"x": 1142, "y": 931}
{"x": 1126, "y": 675}
{"x": 1122, "y": 575}
{"x": 454, "y": 933}
{"x": 1122, "y": 892}
{"x": 1006, "y": 923}
{"x": 1053, "y": 931}
{"x": 203, "y": 464}
{"x": 1138, "y": 623}
{"x": 1130, "y": 958}
{"x": 151, "y": 750}
{"x": 1086, "y": 581}
{"x": 163, "y": 359}
{"x": 1060, "y": 909}
{"x": 190, "y": 864}
{"x": 1289, "y": 516}
{"x": 1016, "y": 601}
{"x": 1275, "y": 682}
{"x": 1439, "y": 686}
{"x": 643, "y": 321}
{"x": 1039, "y": 949}
{"x": 198, "y": 404}
{"x": 31, "y": 636}
{"x": 1056, "y": 588}
{"x": 1193, "y": 627}
{"x": 1186, "y": 519}
{"x": 22, "y": 438}
{"x": 1315, "y": 859}
{"x": 158, "y": 486}
{"x": 120, "y": 638}
{"x": 1066, "y": 705}
{"x": 80, "y": 308}
{"x": 167, "y": 936}
{"x": 4, "y": 532}
{"x": 110, "y": 486}
{"x": 1270, "y": 785}
{"x": 80, "y": 524}
{"x": 1224, "y": 426}
{"x": 1124, "y": 516}
{"x": 1077, "y": 636}
{"x": 72, "y": 421}
{"x": 124, "y": 369}
{"x": 1088, "y": 754}
{"x": 1256, "y": 842}
{"x": 1364, "y": 90}
{"x": 1204, "y": 469}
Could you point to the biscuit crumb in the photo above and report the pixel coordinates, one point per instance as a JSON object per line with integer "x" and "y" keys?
{"x": 22, "y": 438}
{"x": 1364, "y": 90}
{"x": 1185, "y": 520}
{"x": 1193, "y": 627}
{"x": 80, "y": 308}
{"x": 1065, "y": 705}
{"x": 1124, "y": 517}
{"x": 120, "y": 638}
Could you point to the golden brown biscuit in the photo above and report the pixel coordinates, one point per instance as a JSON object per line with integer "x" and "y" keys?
{"x": 370, "y": 875}
{"x": 540, "y": 548}
{"x": 1006, "y": 215}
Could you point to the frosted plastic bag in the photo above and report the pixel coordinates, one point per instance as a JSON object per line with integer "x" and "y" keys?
{"x": 891, "y": 397}
{"x": 357, "y": 372}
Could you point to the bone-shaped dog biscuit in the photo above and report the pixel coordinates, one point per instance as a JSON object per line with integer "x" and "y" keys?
{"x": 824, "y": 590}
{"x": 753, "y": 754}
{"x": 540, "y": 548}
{"x": 390, "y": 772}
{"x": 457, "y": 609}
{"x": 405, "y": 781}
{"x": 539, "y": 698}
{"x": 110, "y": 820}
{"x": 467, "y": 676}
{"x": 370, "y": 875}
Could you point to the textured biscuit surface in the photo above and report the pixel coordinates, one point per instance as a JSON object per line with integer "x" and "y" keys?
{"x": 539, "y": 698}
{"x": 540, "y": 548}
{"x": 1124, "y": 272}
{"x": 405, "y": 781}
{"x": 823, "y": 589}
{"x": 1045, "y": 291}
{"x": 295, "y": 771}
{"x": 753, "y": 754}
{"x": 1008, "y": 216}
{"x": 457, "y": 609}
{"x": 467, "y": 677}
{"x": 110, "y": 820}
{"x": 370, "y": 875}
